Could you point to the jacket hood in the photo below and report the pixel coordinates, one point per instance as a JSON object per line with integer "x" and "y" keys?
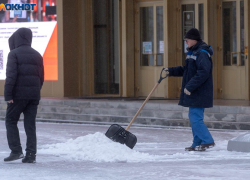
{"x": 22, "y": 36}
{"x": 202, "y": 45}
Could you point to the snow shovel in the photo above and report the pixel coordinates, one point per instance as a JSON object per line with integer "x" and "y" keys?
{"x": 118, "y": 134}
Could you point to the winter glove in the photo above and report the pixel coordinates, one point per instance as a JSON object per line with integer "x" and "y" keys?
{"x": 166, "y": 71}
{"x": 187, "y": 92}
{"x": 11, "y": 101}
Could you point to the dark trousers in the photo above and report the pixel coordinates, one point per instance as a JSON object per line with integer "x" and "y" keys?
{"x": 14, "y": 110}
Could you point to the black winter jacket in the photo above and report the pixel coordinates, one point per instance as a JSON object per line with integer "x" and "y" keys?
{"x": 25, "y": 71}
{"x": 197, "y": 77}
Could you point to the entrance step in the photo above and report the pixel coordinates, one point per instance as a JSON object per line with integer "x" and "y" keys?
{"x": 155, "y": 112}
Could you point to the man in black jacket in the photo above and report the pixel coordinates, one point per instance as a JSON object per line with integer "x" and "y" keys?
{"x": 197, "y": 87}
{"x": 24, "y": 80}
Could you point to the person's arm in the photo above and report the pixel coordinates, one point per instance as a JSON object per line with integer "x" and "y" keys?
{"x": 176, "y": 71}
{"x": 204, "y": 66}
{"x": 11, "y": 76}
{"x": 42, "y": 75}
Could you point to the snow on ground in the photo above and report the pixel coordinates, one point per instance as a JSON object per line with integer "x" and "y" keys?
{"x": 98, "y": 148}
{"x": 83, "y": 152}
{"x": 242, "y": 138}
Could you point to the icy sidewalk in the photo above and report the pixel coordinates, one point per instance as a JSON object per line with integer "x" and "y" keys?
{"x": 71, "y": 151}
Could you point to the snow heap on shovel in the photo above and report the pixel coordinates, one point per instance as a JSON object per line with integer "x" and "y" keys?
{"x": 96, "y": 147}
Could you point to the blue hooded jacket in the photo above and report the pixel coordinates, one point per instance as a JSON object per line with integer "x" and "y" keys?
{"x": 197, "y": 77}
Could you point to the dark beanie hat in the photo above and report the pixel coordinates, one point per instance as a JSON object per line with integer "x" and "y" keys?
{"x": 193, "y": 34}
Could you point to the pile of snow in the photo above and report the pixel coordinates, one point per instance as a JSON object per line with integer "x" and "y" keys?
{"x": 98, "y": 148}
{"x": 242, "y": 138}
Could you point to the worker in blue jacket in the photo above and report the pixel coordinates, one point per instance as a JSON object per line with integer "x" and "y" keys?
{"x": 197, "y": 87}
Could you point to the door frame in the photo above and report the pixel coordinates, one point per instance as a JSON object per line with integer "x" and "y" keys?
{"x": 138, "y": 4}
{"x": 220, "y": 46}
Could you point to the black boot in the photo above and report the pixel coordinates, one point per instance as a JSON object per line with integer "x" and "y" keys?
{"x": 203, "y": 147}
{"x": 14, "y": 157}
{"x": 29, "y": 158}
{"x": 190, "y": 148}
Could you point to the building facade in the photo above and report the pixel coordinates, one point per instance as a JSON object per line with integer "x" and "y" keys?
{"x": 117, "y": 48}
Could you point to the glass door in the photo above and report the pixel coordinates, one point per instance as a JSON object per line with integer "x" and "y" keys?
{"x": 192, "y": 16}
{"x": 233, "y": 72}
{"x": 152, "y": 43}
{"x": 150, "y": 48}
{"x": 106, "y": 47}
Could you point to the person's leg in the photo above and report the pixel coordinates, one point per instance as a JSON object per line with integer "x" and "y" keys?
{"x": 30, "y": 126}
{"x": 196, "y": 139}
{"x": 12, "y": 116}
{"x": 13, "y": 113}
{"x": 200, "y": 130}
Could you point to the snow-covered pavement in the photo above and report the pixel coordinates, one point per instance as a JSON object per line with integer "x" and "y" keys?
{"x": 74, "y": 152}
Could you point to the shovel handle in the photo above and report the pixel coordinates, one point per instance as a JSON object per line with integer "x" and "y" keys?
{"x": 159, "y": 81}
{"x": 161, "y": 78}
{"x": 142, "y": 106}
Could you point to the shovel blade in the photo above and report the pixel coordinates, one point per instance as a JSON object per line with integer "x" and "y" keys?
{"x": 118, "y": 134}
